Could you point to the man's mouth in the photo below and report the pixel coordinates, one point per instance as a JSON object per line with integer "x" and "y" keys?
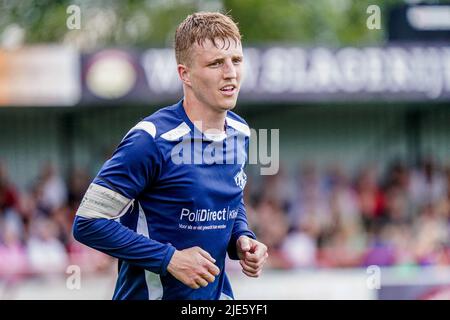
{"x": 228, "y": 90}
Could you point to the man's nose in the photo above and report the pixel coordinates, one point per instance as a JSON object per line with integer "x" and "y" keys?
{"x": 229, "y": 71}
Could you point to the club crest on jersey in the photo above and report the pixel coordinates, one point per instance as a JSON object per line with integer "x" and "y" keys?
{"x": 241, "y": 179}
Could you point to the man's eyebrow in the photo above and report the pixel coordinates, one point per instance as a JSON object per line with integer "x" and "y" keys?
{"x": 221, "y": 59}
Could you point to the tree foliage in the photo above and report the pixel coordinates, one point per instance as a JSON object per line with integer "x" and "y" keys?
{"x": 144, "y": 23}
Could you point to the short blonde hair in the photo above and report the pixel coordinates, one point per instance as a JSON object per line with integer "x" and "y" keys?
{"x": 199, "y": 27}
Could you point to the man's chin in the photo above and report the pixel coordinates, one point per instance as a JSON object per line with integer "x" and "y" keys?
{"x": 225, "y": 108}
{"x": 228, "y": 105}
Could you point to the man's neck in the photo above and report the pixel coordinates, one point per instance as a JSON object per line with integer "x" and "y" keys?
{"x": 208, "y": 118}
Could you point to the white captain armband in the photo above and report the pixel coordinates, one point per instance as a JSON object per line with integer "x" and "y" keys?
{"x": 101, "y": 202}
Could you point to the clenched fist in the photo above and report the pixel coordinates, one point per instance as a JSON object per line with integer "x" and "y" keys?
{"x": 194, "y": 267}
{"x": 252, "y": 255}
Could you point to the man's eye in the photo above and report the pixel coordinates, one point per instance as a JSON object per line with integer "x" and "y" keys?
{"x": 237, "y": 61}
{"x": 215, "y": 64}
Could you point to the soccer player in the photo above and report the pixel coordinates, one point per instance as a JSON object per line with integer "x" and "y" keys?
{"x": 168, "y": 203}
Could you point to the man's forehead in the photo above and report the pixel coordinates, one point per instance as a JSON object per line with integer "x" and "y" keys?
{"x": 227, "y": 46}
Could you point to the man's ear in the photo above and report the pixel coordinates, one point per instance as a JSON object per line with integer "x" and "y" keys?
{"x": 183, "y": 73}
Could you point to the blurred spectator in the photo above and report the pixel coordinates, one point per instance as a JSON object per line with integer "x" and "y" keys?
{"x": 51, "y": 192}
{"x": 63, "y": 217}
{"x": 272, "y": 229}
{"x": 8, "y": 194}
{"x": 343, "y": 248}
{"x": 396, "y": 206}
{"x": 46, "y": 253}
{"x": 79, "y": 181}
{"x": 311, "y": 209}
{"x": 398, "y": 200}
{"x": 278, "y": 189}
{"x": 380, "y": 250}
{"x": 299, "y": 250}
{"x": 13, "y": 258}
{"x": 343, "y": 198}
{"x": 431, "y": 235}
{"x": 401, "y": 237}
{"x": 428, "y": 183}
{"x": 370, "y": 197}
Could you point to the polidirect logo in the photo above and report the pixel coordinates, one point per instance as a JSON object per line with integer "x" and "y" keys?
{"x": 203, "y": 215}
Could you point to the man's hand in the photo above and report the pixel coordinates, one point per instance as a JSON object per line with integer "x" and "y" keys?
{"x": 252, "y": 255}
{"x": 194, "y": 267}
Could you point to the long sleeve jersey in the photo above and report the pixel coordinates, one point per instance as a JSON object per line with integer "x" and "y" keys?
{"x": 176, "y": 187}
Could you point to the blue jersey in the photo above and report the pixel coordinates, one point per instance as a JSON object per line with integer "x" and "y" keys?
{"x": 185, "y": 189}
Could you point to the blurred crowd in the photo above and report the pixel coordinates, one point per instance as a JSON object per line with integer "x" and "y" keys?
{"x": 332, "y": 218}
{"x": 310, "y": 219}
{"x": 36, "y": 226}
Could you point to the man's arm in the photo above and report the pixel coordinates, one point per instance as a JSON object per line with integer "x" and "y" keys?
{"x": 134, "y": 165}
{"x": 116, "y": 240}
{"x": 193, "y": 266}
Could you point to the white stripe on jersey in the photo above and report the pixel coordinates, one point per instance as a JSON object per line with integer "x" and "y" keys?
{"x": 242, "y": 127}
{"x": 153, "y": 281}
{"x": 147, "y": 126}
{"x": 177, "y": 132}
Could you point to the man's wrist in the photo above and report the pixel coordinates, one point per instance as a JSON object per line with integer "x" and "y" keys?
{"x": 167, "y": 258}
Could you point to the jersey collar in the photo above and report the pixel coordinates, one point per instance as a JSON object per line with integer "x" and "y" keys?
{"x": 195, "y": 132}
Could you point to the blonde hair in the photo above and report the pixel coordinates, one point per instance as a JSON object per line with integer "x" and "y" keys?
{"x": 199, "y": 27}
